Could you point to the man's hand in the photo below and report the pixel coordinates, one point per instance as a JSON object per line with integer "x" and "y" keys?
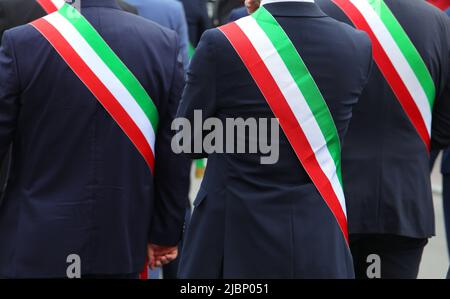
{"x": 161, "y": 255}
{"x": 252, "y": 5}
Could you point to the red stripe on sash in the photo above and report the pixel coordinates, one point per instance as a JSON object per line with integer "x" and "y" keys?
{"x": 98, "y": 89}
{"x": 389, "y": 72}
{"x": 48, "y": 6}
{"x": 442, "y": 4}
{"x": 288, "y": 122}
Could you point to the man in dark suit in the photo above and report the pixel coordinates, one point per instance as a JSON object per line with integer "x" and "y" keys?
{"x": 15, "y": 13}
{"x": 255, "y": 220}
{"x": 385, "y": 158}
{"x": 197, "y": 19}
{"x": 78, "y": 184}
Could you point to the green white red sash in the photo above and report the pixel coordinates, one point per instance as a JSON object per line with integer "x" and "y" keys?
{"x": 295, "y": 100}
{"x": 103, "y": 73}
{"x": 398, "y": 60}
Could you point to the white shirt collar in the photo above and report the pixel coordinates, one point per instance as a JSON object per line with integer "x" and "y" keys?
{"x": 274, "y": 1}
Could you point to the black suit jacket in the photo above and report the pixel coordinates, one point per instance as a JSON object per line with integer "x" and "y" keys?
{"x": 269, "y": 221}
{"x": 78, "y": 185}
{"x": 385, "y": 163}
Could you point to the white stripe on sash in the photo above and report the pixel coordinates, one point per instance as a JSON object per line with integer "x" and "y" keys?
{"x": 295, "y": 100}
{"x": 398, "y": 60}
{"x": 101, "y": 70}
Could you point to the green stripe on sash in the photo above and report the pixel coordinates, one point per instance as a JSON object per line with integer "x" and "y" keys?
{"x": 407, "y": 48}
{"x": 305, "y": 82}
{"x": 113, "y": 62}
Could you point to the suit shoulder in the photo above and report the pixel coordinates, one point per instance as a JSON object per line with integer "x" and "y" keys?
{"x": 22, "y": 34}
{"x": 145, "y": 27}
{"x": 214, "y": 38}
{"x": 212, "y": 34}
{"x": 347, "y": 31}
{"x": 360, "y": 36}
{"x": 347, "y": 42}
{"x": 146, "y": 34}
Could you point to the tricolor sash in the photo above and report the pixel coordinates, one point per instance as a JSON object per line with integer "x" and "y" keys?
{"x": 398, "y": 60}
{"x": 103, "y": 73}
{"x": 294, "y": 98}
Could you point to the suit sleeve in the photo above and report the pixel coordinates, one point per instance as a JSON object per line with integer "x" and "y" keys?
{"x": 171, "y": 172}
{"x": 440, "y": 136}
{"x": 200, "y": 93}
{"x": 9, "y": 94}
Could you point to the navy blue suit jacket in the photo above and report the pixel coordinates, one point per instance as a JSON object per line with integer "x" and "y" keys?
{"x": 385, "y": 163}
{"x": 78, "y": 185}
{"x": 269, "y": 221}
